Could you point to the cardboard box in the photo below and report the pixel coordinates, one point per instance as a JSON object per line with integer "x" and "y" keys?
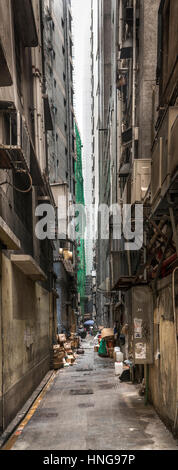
{"x": 61, "y": 339}
{"x": 57, "y": 365}
{"x": 70, "y": 359}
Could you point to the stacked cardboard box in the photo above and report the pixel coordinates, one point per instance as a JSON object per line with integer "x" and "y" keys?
{"x": 63, "y": 352}
{"x": 74, "y": 341}
{"x": 58, "y": 356}
{"x": 70, "y": 359}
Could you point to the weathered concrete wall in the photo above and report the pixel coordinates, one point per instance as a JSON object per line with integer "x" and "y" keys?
{"x": 147, "y": 73}
{"x": 25, "y": 342}
{"x": 169, "y": 73}
{"x": 162, "y": 374}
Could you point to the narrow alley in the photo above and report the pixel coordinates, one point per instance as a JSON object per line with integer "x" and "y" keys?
{"x": 87, "y": 407}
{"x": 88, "y": 228}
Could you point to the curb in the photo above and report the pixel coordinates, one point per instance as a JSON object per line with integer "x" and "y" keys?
{"x": 25, "y": 409}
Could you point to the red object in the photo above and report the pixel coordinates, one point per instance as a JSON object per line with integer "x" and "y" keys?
{"x": 110, "y": 344}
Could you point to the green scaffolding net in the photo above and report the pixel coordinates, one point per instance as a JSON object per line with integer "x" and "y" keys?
{"x": 81, "y": 267}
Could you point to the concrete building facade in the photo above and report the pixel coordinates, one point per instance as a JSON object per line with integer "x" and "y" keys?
{"x": 137, "y": 46}
{"x": 58, "y": 69}
{"x": 27, "y": 287}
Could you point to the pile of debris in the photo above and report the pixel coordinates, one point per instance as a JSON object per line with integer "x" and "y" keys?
{"x": 64, "y": 352}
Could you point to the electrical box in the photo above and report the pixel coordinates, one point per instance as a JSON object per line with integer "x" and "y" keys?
{"x": 142, "y": 324}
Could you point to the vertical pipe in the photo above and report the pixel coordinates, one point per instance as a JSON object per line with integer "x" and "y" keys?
{"x": 2, "y": 343}
{"x": 44, "y": 78}
{"x": 147, "y": 384}
{"x": 134, "y": 80}
{"x": 18, "y": 129}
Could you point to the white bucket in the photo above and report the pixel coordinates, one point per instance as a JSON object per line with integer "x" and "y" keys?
{"x": 119, "y": 356}
{"x": 116, "y": 349}
{"x": 118, "y": 368}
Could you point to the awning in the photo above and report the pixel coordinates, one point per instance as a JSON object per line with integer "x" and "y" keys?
{"x": 29, "y": 267}
{"x": 126, "y": 282}
{"x": 7, "y": 237}
{"x": 124, "y": 170}
{"x": 127, "y": 136}
{"x": 104, "y": 286}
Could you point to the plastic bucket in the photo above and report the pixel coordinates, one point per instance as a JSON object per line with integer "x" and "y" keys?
{"x": 119, "y": 356}
{"x": 118, "y": 368}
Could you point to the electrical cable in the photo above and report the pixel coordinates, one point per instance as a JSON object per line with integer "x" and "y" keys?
{"x": 15, "y": 187}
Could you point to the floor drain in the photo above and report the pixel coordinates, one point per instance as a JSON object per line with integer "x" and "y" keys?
{"x": 82, "y": 392}
{"x": 105, "y": 386}
{"x": 86, "y": 405}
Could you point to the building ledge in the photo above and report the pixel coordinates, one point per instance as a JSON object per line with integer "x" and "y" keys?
{"x": 29, "y": 267}
{"x": 7, "y": 237}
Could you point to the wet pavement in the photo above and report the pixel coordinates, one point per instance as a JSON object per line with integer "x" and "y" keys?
{"x": 86, "y": 407}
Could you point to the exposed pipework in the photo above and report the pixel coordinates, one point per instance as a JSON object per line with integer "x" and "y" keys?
{"x": 134, "y": 80}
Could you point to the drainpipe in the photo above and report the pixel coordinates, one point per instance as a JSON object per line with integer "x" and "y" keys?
{"x": 35, "y": 106}
{"x": 2, "y": 344}
{"x": 134, "y": 80}
{"x": 176, "y": 346}
{"x": 133, "y": 105}
{"x": 147, "y": 384}
{"x": 44, "y": 79}
{"x": 120, "y": 21}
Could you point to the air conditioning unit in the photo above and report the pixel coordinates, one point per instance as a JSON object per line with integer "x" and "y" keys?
{"x": 141, "y": 176}
{"x": 14, "y": 138}
{"x": 162, "y": 161}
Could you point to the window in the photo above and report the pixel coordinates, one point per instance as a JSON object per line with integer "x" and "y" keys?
{"x": 71, "y": 48}
{"x": 72, "y": 97}
{"x": 62, "y": 22}
{"x": 71, "y": 72}
{"x": 63, "y": 50}
{"x": 74, "y": 187}
{"x": 70, "y": 22}
{"x": 65, "y": 102}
